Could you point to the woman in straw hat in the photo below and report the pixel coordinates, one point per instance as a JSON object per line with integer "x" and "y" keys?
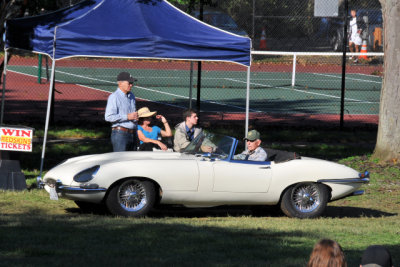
{"x": 148, "y": 135}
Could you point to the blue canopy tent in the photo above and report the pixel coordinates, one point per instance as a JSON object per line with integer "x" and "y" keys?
{"x": 124, "y": 29}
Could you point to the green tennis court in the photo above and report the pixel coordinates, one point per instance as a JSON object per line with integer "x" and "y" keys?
{"x": 225, "y": 91}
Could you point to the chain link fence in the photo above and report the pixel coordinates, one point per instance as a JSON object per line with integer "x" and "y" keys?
{"x": 296, "y": 73}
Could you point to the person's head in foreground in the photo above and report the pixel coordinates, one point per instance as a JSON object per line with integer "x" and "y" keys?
{"x": 253, "y": 140}
{"x": 327, "y": 253}
{"x": 376, "y": 256}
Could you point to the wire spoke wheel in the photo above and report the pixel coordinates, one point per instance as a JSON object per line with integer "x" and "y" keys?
{"x": 305, "y": 200}
{"x": 132, "y": 196}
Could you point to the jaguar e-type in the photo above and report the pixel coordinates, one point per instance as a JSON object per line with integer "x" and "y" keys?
{"x": 132, "y": 183}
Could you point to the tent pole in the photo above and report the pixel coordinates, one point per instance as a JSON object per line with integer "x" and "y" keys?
{"x": 4, "y": 86}
{"x": 191, "y": 85}
{"x": 47, "y": 117}
{"x": 247, "y": 101}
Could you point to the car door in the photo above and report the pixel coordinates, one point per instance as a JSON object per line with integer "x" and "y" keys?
{"x": 242, "y": 176}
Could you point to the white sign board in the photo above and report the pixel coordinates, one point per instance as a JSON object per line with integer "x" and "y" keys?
{"x": 326, "y": 8}
{"x": 16, "y": 139}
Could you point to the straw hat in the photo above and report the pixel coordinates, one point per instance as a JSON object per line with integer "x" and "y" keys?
{"x": 145, "y": 112}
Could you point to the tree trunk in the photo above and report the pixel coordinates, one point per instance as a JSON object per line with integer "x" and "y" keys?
{"x": 388, "y": 140}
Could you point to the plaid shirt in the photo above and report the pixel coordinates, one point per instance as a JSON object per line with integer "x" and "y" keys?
{"x": 258, "y": 154}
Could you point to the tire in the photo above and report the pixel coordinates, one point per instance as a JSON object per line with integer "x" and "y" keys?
{"x": 306, "y": 200}
{"x": 89, "y": 207}
{"x": 131, "y": 198}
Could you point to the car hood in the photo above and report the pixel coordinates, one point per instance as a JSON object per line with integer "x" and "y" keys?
{"x": 71, "y": 166}
{"x": 99, "y": 159}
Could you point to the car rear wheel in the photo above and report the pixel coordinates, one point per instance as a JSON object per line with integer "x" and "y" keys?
{"x": 306, "y": 200}
{"x": 131, "y": 198}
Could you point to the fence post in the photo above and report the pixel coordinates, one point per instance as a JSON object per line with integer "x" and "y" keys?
{"x": 294, "y": 70}
{"x": 39, "y": 78}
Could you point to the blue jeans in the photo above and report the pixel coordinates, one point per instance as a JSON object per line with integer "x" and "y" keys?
{"x": 123, "y": 141}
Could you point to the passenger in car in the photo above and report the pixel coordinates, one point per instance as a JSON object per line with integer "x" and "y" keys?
{"x": 187, "y": 130}
{"x": 254, "y": 152}
{"x": 149, "y": 135}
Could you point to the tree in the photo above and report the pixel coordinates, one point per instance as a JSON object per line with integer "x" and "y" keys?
{"x": 388, "y": 140}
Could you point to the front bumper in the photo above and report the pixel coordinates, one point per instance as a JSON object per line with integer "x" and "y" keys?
{"x": 85, "y": 192}
{"x": 82, "y": 189}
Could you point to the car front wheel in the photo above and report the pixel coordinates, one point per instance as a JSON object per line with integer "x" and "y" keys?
{"x": 306, "y": 200}
{"x": 131, "y": 198}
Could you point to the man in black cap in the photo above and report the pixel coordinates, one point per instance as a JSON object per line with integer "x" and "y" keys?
{"x": 121, "y": 112}
{"x": 376, "y": 256}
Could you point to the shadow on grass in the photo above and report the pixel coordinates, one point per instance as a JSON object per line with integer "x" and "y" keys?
{"x": 97, "y": 241}
{"x": 355, "y": 212}
{"x": 164, "y": 211}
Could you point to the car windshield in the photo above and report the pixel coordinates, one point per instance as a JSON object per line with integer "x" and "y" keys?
{"x": 215, "y": 145}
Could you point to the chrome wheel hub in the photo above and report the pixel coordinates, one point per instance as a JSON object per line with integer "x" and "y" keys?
{"x": 306, "y": 197}
{"x": 132, "y": 196}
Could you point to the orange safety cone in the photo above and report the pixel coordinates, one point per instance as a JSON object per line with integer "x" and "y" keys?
{"x": 363, "y": 50}
{"x": 263, "y": 40}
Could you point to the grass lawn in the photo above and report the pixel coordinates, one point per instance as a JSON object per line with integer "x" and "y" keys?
{"x": 36, "y": 231}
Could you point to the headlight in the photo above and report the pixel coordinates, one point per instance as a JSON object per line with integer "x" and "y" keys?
{"x": 86, "y": 175}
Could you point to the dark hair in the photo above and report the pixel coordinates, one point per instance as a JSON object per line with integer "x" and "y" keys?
{"x": 327, "y": 253}
{"x": 140, "y": 120}
{"x": 187, "y": 113}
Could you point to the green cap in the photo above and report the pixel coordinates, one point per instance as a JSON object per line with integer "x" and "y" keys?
{"x": 252, "y": 135}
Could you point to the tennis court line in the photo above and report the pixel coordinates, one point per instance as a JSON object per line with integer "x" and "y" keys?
{"x": 205, "y": 101}
{"x": 347, "y": 78}
{"x": 148, "y": 89}
{"x": 302, "y": 91}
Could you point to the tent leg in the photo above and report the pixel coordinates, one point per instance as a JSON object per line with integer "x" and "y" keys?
{"x": 247, "y": 101}
{"x": 191, "y": 84}
{"x": 47, "y": 119}
{"x": 4, "y": 87}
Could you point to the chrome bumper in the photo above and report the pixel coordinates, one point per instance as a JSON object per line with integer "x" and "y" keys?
{"x": 82, "y": 189}
{"x": 363, "y": 179}
{"x": 345, "y": 181}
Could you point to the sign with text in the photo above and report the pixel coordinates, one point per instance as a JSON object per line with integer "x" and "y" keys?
{"x": 16, "y": 138}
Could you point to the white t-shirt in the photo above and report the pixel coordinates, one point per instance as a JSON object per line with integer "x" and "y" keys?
{"x": 354, "y": 35}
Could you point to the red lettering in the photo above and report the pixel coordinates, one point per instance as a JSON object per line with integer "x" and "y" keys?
{"x": 25, "y": 133}
{"x": 8, "y": 131}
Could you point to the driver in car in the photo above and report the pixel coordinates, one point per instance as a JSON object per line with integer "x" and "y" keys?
{"x": 254, "y": 152}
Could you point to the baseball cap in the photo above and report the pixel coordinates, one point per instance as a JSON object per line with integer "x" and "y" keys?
{"x": 377, "y": 256}
{"x": 125, "y": 76}
{"x": 252, "y": 135}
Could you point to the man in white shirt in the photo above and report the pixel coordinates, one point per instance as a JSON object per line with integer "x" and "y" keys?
{"x": 355, "y": 34}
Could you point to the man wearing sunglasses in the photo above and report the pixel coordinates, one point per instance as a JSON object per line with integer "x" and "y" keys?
{"x": 254, "y": 152}
{"x": 121, "y": 112}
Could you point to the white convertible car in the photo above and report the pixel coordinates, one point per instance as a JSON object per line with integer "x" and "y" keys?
{"x": 131, "y": 183}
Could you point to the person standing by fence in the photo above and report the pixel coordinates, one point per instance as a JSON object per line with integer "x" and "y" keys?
{"x": 355, "y": 34}
{"x": 121, "y": 112}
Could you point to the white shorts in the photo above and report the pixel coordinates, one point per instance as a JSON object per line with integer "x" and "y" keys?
{"x": 355, "y": 38}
